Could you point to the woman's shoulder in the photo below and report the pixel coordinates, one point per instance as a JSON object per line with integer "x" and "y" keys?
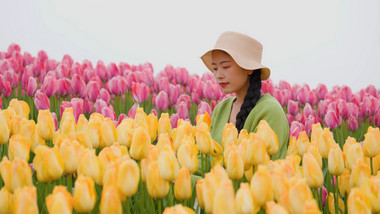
{"x": 224, "y": 103}
{"x": 268, "y": 103}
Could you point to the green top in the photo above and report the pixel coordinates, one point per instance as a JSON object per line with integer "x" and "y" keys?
{"x": 267, "y": 108}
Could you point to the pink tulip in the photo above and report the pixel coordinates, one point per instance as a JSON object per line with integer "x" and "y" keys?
{"x": 162, "y": 101}
{"x": 41, "y": 101}
{"x": 342, "y": 108}
{"x": 322, "y": 108}
{"x": 208, "y": 76}
{"x": 109, "y": 112}
{"x": 105, "y": 95}
{"x": 174, "y": 92}
{"x": 87, "y": 64}
{"x": 101, "y": 70}
{"x": 99, "y": 105}
{"x": 365, "y": 107}
{"x": 295, "y": 128}
{"x": 203, "y": 107}
{"x": 1, "y": 103}
{"x": 182, "y": 76}
{"x": 93, "y": 90}
{"x": 303, "y": 95}
{"x": 113, "y": 69}
{"x": 12, "y": 77}
{"x": 77, "y": 69}
{"x": 49, "y": 86}
{"x": 352, "y": 123}
{"x": 279, "y": 95}
{"x": 300, "y": 117}
{"x": 154, "y": 111}
{"x": 78, "y": 86}
{"x": 28, "y": 58}
{"x": 267, "y": 86}
{"x": 199, "y": 89}
{"x": 308, "y": 110}
{"x": 321, "y": 91}
{"x": 88, "y": 106}
{"x": 294, "y": 91}
{"x": 213, "y": 104}
{"x": 121, "y": 118}
{"x": 13, "y": 48}
{"x": 184, "y": 98}
{"x": 63, "y": 70}
{"x": 88, "y": 74}
{"x": 64, "y": 87}
{"x": 310, "y": 120}
{"x": 68, "y": 59}
{"x": 5, "y": 86}
{"x": 195, "y": 98}
{"x": 78, "y": 107}
{"x": 64, "y": 105}
{"x": 132, "y": 111}
{"x": 371, "y": 89}
{"x": 31, "y": 86}
{"x": 140, "y": 92}
{"x": 217, "y": 91}
{"x": 146, "y": 76}
{"x": 312, "y": 98}
{"x": 290, "y": 118}
{"x": 375, "y": 105}
{"x": 183, "y": 111}
{"x": 124, "y": 66}
{"x": 377, "y": 119}
{"x": 42, "y": 55}
{"x": 332, "y": 119}
{"x": 355, "y": 98}
{"x": 324, "y": 194}
{"x": 174, "y": 120}
{"x": 164, "y": 84}
{"x": 208, "y": 90}
{"x": 282, "y": 84}
{"x": 352, "y": 109}
{"x": 26, "y": 75}
{"x": 55, "y": 120}
{"x": 293, "y": 107}
{"x": 51, "y": 65}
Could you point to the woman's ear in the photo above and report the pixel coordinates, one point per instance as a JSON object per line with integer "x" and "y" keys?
{"x": 249, "y": 72}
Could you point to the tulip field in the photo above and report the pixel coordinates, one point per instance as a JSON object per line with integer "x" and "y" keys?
{"x": 120, "y": 138}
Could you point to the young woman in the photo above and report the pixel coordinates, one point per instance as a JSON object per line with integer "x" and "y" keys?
{"x": 235, "y": 61}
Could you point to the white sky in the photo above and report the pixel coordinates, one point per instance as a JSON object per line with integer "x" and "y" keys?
{"x": 335, "y": 42}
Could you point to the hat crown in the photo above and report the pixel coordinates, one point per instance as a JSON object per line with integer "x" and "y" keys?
{"x": 240, "y": 43}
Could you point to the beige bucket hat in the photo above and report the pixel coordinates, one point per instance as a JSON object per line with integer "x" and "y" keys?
{"x": 245, "y": 50}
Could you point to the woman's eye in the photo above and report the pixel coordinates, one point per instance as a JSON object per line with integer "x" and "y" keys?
{"x": 226, "y": 67}
{"x": 214, "y": 69}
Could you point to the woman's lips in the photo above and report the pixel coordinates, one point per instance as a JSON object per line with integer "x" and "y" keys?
{"x": 223, "y": 84}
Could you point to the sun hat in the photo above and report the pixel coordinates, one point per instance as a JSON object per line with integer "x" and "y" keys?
{"x": 246, "y": 52}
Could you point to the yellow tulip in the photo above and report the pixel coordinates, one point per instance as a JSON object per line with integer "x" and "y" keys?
{"x": 205, "y": 117}
{"x": 140, "y": 144}
{"x": 183, "y": 130}
{"x": 235, "y": 164}
{"x": 249, "y": 173}
{"x": 144, "y": 164}
{"x": 59, "y": 201}
{"x": 199, "y": 191}
{"x": 4, "y": 129}
{"x": 261, "y": 186}
{"x": 354, "y": 152}
{"x": 48, "y": 163}
{"x": 349, "y": 142}
{"x": 70, "y": 152}
{"x": 188, "y": 156}
{"x": 311, "y": 207}
{"x": 376, "y": 163}
{"x": 256, "y": 150}
{"x": 16, "y": 124}
{"x": 20, "y": 107}
{"x": 110, "y": 201}
{"x": 83, "y": 139}
{"x": 152, "y": 121}
{"x": 371, "y": 189}
{"x": 243, "y": 134}
{"x": 67, "y": 125}
{"x": 371, "y": 145}
{"x": 164, "y": 125}
{"x": 157, "y": 186}
{"x": 344, "y": 182}
{"x": 93, "y": 131}
{"x": 84, "y": 194}
{"x": 36, "y": 140}
{"x": 273, "y": 208}
{"x": 21, "y": 174}
{"x": 82, "y": 124}
{"x": 6, "y": 201}
{"x": 203, "y": 138}
{"x": 107, "y": 133}
{"x": 358, "y": 202}
{"x": 9, "y": 114}
{"x": 19, "y": 147}
{"x": 124, "y": 132}
{"x": 360, "y": 173}
{"x": 280, "y": 183}
{"x": 217, "y": 149}
{"x": 335, "y": 160}
{"x": 178, "y": 209}
{"x": 25, "y": 200}
{"x": 229, "y": 135}
{"x": 312, "y": 171}
{"x": 128, "y": 177}
{"x": 284, "y": 201}
{"x": 299, "y": 193}
{"x": 141, "y": 119}
{"x": 331, "y": 202}
{"x": 164, "y": 140}
{"x": 110, "y": 177}
{"x": 325, "y": 141}
{"x": 269, "y": 137}
{"x": 292, "y": 148}
{"x": 224, "y": 201}
{"x": 244, "y": 202}
{"x": 96, "y": 117}
{"x": 313, "y": 150}
{"x": 182, "y": 185}
{"x": 6, "y": 173}
{"x": 45, "y": 125}
{"x": 302, "y": 143}
{"x": 168, "y": 164}
{"x": 316, "y": 131}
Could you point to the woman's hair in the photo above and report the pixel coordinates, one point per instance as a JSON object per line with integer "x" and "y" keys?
{"x": 250, "y": 99}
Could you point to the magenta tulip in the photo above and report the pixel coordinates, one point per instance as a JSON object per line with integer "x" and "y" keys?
{"x": 93, "y": 90}
{"x": 184, "y": 98}
{"x": 101, "y": 70}
{"x": 267, "y": 86}
{"x": 31, "y": 86}
{"x": 108, "y": 111}
{"x": 332, "y": 119}
{"x": 322, "y": 108}
{"x": 88, "y": 74}
{"x": 113, "y": 69}
{"x": 49, "y": 86}
{"x": 38, "y": 68}
{"x": 26, "y": 75}
{"x": 55, "y": 120}
{"x": 182, "y": 76}
{"x": 63, "y": 70}
{"x": 279, "y": 95}
{"x": 199, "y": 89}
{"x": 146, "y": 76}
{"x": 371, "y": 89}
{"x": 195, "y": 98}
{"x": 132, "y": 111}
{"x": 310, "y": 120}
{"x": 342, "y": 108}
{"x": 42, "y": 55}
{"x": 78, "y": 107}
{"x": 1, "y": 103}
{"x": 300, "y": 117}
{"x": 282, "y": 84}
{"x": 352, "y": 109}
{"x": 64, "y": 87}
{"x": 78, "y": 86}
{"x": 295, "y": 128}
{"x": 183, "y": 111}
{"x": 303, "y": 95}
{"x": 105, "y": 95}
{"x": 12, "y": 77}
{"x": 114, "y": 85}
{"x": 377, "y": 119}
{"x": 293, "y": 108}
{"x": 41, "y": 101}
{"x": 174, "y": 120}
{"x": 290, "y": 118}
{"x": 352, "y": 123}
{"x": 88, "y": 106}
{"x": 312, "y": 98}
{"x": 154, "y": 111}
{"x": 308, "y": 110}
{"x": 174, "y": 92}
{"x": 99, "y": 105}
{"x": 121, "y": 118}
{"x": 203, "y": 107}
{"x": 140, "y": 92}
{"x": 294, "y": 91}
{"x": 321, "y": 91}
{"x": 365, "y": 107}
{"x": 68, "y": 59}
{"x": 162, "y": 101}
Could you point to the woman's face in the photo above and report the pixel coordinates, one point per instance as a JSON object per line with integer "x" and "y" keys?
{"x": 230, "y": 76}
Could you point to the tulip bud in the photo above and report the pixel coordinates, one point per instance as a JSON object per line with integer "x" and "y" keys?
{"x": 182, "y": 185}
{"x": 59, "y": 201}
{"x": 313, "y": 150}
{"x": 128, "y": 177}
{"x": 312, "y": 171}
{"x": 21, "y": 174}
{"x": 335, "y": 160}
{"x": 243, "y": 134}
{"x": 224, "y": 200}
{"x": 82, "y": 124}
{"x": 302, "y": 143}
{"x": 344, "y": 182}
{"x": 152, "y": 156}
{"x": 230, "y": 134}
{"x": 244, "y": 202}
{"x": 273, "y": 208}
{"x": 371, "y": 145}
{"x": 6, "y": 173}
{"x": 107, "y": 133}
{"x": 68, "y": 124}
{"x": 235, "y": 164}
{"x": 358, "y": 202}
{"x": 183, "y": 130}
{"x": 179, "y": 208}
{"x": 326, "y": 140}
{"x": 25, "y": 200}
{"x": 199, "y": 191}
{"x": 20, "y": 107}
{"x": 164, "y": 125}
{"x": 152, "y": 124}
{"x": 205, "y": 117}
{"x": 292, "y": 148}
{"x": 331, "y": 202}
{"x": 261, "y": 186}
{"x": 70, "y": 152}
{"x": 110, "y": 201}
{"x": 280, "y": 183}
{"x": 48, "y": 164}
{"x": 93, "y": 131}
{"x": 316, "y": 131}
{"x": 45, "y": 125}
{"x": 299, "y": 193}
{"x": 84, "y": 194}
{"x": 354, "y": 152}
{"x": 6, "y": 201}
{"x": 140, "y": 143}
{"x": 360, "y": 173}
{"x": 188, "y": 156}
{"x": 256, "y": 150}
{"x": 168, "y": 164}
{"x": 157, "y": 186}
{"x": 269, "y": 136}
{"x": 203, "y": 138}
{"x": 4, "y": 130}
{"x": 19, "y": 147}
{"x": 124, "y": 132}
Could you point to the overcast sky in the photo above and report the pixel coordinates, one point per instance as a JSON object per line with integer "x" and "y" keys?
{"x": 335, "y": 42}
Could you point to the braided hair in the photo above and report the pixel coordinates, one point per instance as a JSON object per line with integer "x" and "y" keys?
{"x": 250, "y": 99}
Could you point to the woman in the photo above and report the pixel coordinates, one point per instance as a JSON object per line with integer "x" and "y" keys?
{"x": 235, "y": 61}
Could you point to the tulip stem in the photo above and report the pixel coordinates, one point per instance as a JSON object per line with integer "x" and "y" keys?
{"x": 159, "y": 205}
{"x": 336, "y": 197}
{"x": 371, "y": 165}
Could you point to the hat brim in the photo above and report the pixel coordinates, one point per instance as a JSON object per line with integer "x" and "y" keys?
{"x": 243, "y": 62}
